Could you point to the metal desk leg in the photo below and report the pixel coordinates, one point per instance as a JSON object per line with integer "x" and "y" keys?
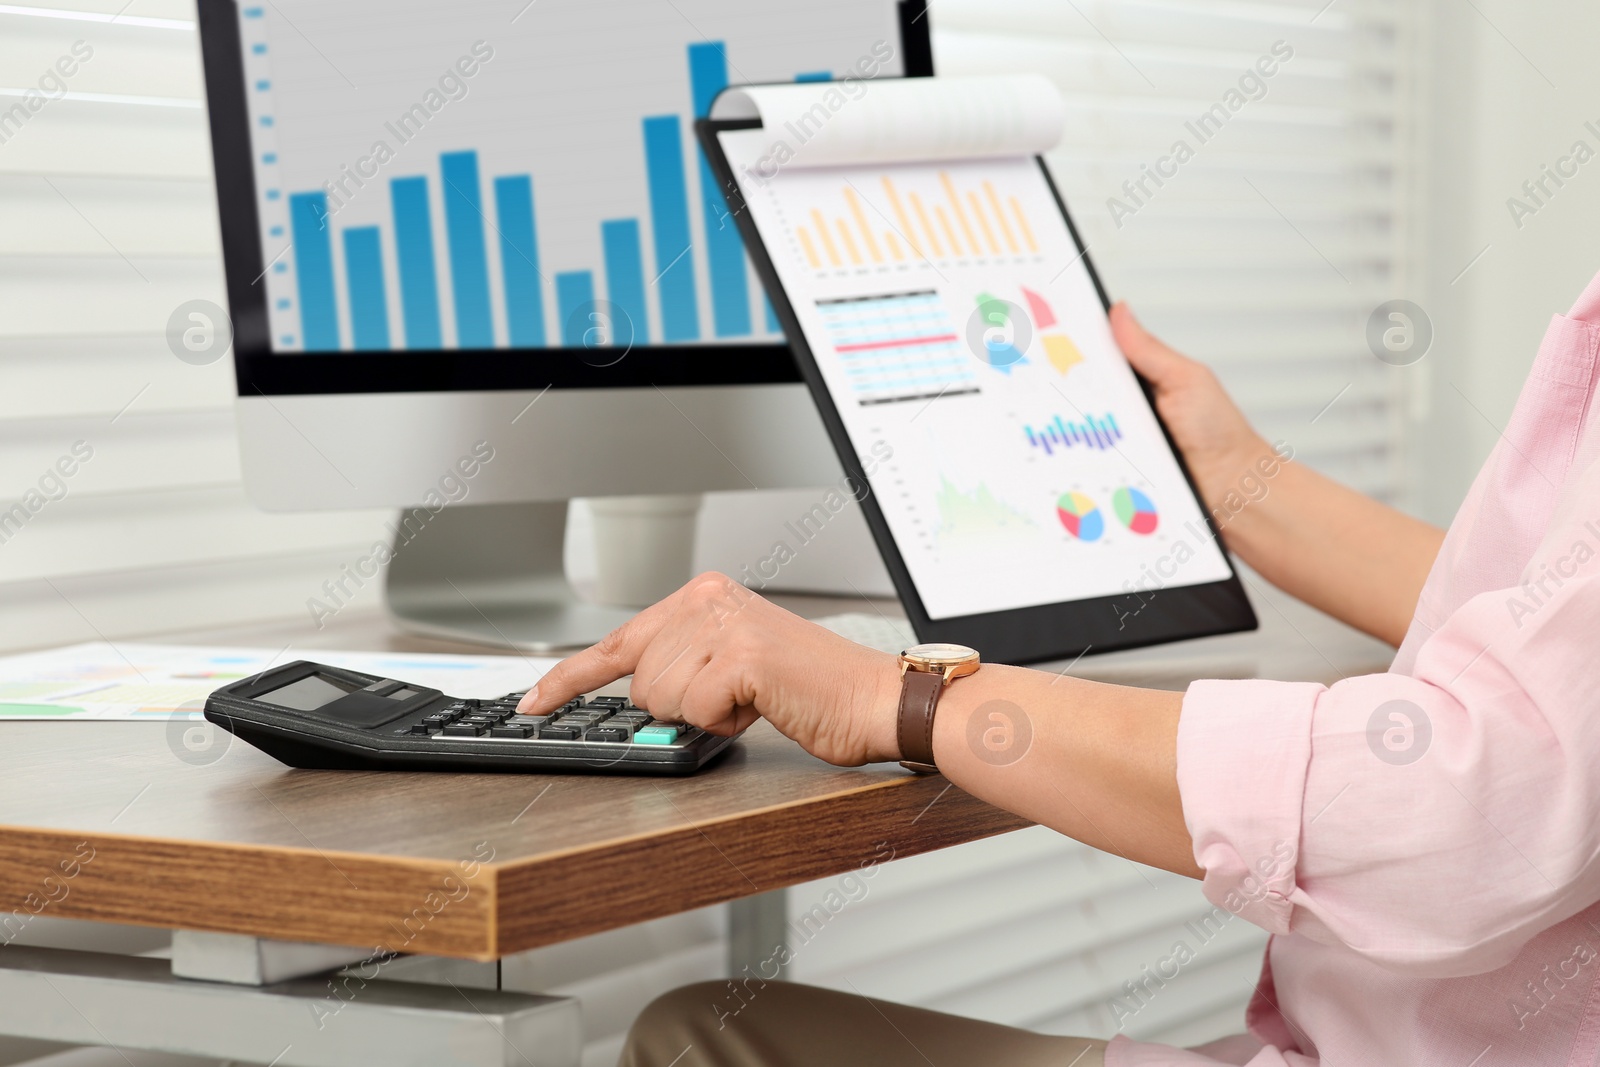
{"x": 350, "y": 1018}
{"x": 239, "y": 959}
{"x": 758, "y": 928}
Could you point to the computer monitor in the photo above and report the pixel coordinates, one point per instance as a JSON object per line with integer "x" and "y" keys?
{"x": 473, "y": 256}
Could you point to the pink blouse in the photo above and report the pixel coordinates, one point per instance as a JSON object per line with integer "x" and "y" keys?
{"x": 1424, "y": 845}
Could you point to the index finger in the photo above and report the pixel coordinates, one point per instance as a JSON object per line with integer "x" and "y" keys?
{"x": 613, "y": 656}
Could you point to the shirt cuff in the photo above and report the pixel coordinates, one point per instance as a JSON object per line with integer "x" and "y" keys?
{"x": 1243, "y": 752}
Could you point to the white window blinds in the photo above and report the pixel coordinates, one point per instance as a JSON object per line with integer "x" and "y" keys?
{"x": 107, "y": 224}
{"x": 1253, "y": 219}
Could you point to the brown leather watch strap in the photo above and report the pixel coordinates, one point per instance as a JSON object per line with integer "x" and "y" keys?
{"x": 919, "y": 698}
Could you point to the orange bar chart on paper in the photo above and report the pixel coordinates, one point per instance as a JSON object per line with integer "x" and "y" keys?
{"x": 886, "y": 222}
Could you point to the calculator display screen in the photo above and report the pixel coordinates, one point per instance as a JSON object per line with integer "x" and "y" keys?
{"x": 308, "y": 693}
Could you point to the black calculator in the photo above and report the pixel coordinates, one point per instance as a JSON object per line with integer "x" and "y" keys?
{"x": 315, "y": 716}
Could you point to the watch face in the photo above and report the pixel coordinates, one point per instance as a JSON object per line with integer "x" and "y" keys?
{"x": 939, "y": 656}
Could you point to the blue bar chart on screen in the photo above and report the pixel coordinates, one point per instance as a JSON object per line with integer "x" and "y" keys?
{"x": 482, "y": 181}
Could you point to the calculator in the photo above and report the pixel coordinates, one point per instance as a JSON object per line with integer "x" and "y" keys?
{"x": 316, "y": 716}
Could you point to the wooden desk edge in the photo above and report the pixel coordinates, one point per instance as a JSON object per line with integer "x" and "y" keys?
{"x": 551, "y": 899}
{"x": 476, "y": 908}
{"x": 386, "y": 903}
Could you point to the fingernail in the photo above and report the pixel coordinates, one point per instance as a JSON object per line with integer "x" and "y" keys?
{"x": 529, "y": 699}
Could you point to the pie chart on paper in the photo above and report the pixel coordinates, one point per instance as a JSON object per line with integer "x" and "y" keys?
{"x": 1135, "y": 510}
{"x": 1080, "y": 516}
{"x": 1058, "y": 347}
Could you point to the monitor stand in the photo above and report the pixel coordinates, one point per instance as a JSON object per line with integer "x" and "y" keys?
{"x": 493, "y": 574}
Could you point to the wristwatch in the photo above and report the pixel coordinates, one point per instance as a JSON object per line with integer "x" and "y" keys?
{"x": 924, "y": 672}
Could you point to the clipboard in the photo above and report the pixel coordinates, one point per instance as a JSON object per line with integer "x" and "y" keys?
{"x": 944, "y": 312}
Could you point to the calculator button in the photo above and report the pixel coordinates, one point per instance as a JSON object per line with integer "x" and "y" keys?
{"x": 560, "y": 732}
{"x": 423, "y": 727}
{"x": 609, "y": 734}
{"x": 608, "y": 702}
{"x": 464, "y": 729}
{"x": 512, "y": 730}
{"x": 527, "y": 720}
{"x": 659, "y": 734}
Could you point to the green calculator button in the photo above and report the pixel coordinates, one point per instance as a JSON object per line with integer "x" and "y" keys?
{"x": 655, "y": 735}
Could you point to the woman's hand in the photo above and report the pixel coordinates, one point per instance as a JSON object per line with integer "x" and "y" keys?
{"x": 1098, "y": 764}
{"x": 718, "y": 656}
{"x": 1217, "y": 441}
{"x": 1360, "y": 561}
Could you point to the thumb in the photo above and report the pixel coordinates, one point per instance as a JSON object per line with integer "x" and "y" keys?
{"x": 1153, "y": 359}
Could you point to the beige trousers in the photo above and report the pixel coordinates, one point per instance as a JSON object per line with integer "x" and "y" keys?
{"x": 778, "y": 1024}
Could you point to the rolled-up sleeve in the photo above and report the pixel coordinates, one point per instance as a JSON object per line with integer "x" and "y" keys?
{"x": 1433, "y": 822}
{"x": 1242, "y": 801}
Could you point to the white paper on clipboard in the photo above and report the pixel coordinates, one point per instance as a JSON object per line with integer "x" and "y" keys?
{"x": 921, "y": 246}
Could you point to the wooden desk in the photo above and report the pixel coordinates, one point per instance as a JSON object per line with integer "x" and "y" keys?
{"x": 469, "y": 866}
{"x": 348, "y": 858}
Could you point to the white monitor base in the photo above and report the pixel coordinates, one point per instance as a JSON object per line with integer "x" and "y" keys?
{"x": 493, "y": 575}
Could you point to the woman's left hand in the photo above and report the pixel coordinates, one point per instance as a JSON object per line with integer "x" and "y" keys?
{"x": 717, "y": 656}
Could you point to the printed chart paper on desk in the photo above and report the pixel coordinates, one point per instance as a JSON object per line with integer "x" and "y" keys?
{"x": 102, "y": 681}
{"x": 920, "y": 244}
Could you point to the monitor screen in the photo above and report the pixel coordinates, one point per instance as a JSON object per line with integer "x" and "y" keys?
{"x": 436, "y": 186}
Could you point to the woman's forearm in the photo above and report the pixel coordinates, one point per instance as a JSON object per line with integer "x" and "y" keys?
{"x": 1350, "y": 556}
{"x": 1095, "y": 762}
{"x": 1099, "y": 762}
{"x": 1360, "y": 561}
